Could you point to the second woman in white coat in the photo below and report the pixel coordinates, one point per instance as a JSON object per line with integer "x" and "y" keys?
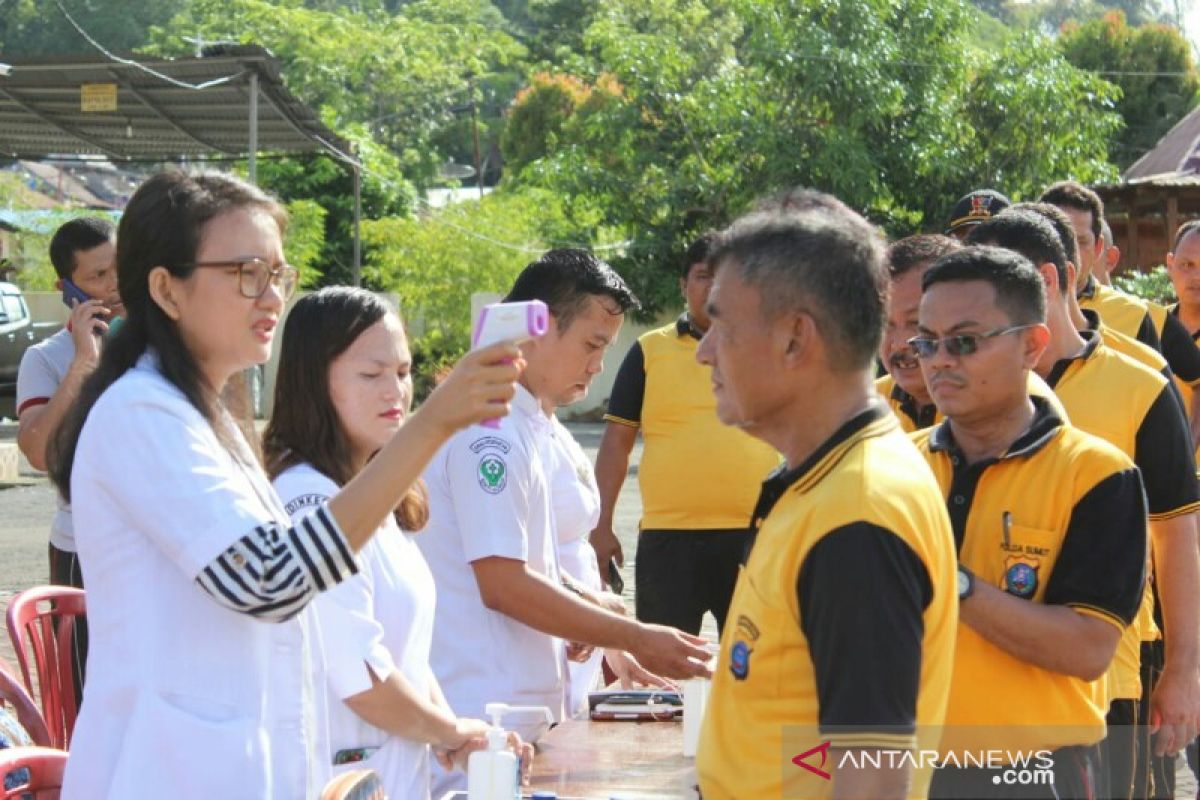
{"x": 343, "y": 390}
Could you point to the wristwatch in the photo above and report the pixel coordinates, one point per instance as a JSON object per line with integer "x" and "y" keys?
{"x": 966, "y": 583}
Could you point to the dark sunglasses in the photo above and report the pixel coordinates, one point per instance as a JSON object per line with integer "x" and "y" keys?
{"x": 962, "y": 344}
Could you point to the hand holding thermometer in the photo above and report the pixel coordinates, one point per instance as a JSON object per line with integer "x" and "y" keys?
{"x": 517, "y": 322}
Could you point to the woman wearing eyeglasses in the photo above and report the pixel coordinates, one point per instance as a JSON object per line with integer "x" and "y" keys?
{"x": 200, "y": 678}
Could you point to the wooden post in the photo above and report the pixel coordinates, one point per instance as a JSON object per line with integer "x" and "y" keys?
{"x": 1172, "y": 218}
{"x": 1135, "y": 250}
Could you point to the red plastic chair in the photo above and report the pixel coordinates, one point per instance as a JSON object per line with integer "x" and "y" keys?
{"x": 13, "y": 694}
{"x": 33, "y": 773}
{"x": 41, "y": 622}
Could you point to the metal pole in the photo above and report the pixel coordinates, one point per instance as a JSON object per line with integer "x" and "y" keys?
{"x": 356, "y": 274}
{"x": 253, "y": 145}
{"x": 475, "y": 136}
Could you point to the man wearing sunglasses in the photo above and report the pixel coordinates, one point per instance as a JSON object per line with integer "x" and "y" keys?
{"x": 1135, "y": 408}
{"x": 1050, "y": 524}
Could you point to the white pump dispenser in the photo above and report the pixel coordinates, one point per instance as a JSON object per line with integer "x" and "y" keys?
{"x": 494, "y": 774}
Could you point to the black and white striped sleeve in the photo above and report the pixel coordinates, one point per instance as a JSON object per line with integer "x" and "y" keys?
{"x": 273, "y": 572}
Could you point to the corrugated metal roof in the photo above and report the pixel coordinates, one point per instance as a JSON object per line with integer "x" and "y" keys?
{"x": 1177, "y": 151}
{"x": 41, "y": 110}
{"x": 1165, "y": 180}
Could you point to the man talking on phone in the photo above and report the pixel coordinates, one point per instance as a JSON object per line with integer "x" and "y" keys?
{"x": 83, "y": 253}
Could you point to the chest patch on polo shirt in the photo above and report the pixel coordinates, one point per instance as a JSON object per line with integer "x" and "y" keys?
{"x": 1021, "y": 575}
{"x": 493, "y": 474}
{"x": 743, "y": 647}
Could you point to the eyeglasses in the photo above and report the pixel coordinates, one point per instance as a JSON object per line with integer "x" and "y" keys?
{"x": 254, "y": 275}
{"x": 962, "y": 344}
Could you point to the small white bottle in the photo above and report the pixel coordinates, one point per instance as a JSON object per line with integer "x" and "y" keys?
{"x": 495, "y": 773}
{"x": 492, "y": 774}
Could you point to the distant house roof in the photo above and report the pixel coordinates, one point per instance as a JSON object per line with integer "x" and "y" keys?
{"x": 1176, "y": 152}
{"x": 42, "y": 101}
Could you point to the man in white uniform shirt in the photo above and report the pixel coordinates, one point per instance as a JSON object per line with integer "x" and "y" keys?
{"x": 503, "y": 608}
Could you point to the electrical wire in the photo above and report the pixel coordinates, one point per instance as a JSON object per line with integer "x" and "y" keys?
{"x": 136, "y": 65}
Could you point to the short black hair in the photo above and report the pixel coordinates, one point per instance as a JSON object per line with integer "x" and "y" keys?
{"x": 824, "y": 260}
{"x": 1185, "y": 230}
{"x": 1027, "y": 233}
{"x": 1061, "y": 223}
{"x": 1020, "y": 291}
{"x": 697, "y": 252}
{"x": 565, "y": 278}
{"x": 905, "y": 255}
{"x": 1072, "y": 194}
{"x": 81, "y": 233}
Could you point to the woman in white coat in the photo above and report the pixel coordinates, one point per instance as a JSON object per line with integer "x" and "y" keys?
{"x": 346, "y": 353}
{"x": 200, "y": 680}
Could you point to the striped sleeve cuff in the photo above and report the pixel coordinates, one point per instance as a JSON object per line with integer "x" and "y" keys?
{"x": 872, "y": 741}
{"x": 1176, "y": 512}
{"x": 1099, "y": 613}
{"x": 628, "y": 423}
{"x": 272, "y": 572}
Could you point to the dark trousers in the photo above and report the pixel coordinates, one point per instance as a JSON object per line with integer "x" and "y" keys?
{"x": 64, "y": 571}
{"x": 1123, "y": 752}
{"x": 1075, "y": 778}
{"x": 1159, "y": 770}
{"x": 681, "y": 574}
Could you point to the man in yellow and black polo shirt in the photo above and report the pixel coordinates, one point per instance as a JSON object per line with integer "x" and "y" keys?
{"x": 698, "y": 478}
{"x": 1183, "y": 265}
{"x": 903, "y": 387}
{"x": 1136, "y": 409}
{"x": 1050, "y": 524}
{"x": 1147, "y": 322}
{"x": 852, "y": 557}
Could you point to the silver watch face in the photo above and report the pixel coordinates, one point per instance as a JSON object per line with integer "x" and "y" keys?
{"x": 964, "y": 583}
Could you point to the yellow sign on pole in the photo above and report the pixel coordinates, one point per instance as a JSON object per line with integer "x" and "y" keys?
{"x": 97, "y": 97}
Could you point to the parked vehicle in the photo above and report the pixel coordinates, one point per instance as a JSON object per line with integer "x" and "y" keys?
{"x": 18, "y": 331}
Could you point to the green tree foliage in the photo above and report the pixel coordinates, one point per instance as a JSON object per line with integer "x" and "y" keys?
{"x": 37, "y": 27}
{"x": 436, "y": 261}
{"x": 883, "y": 104}
{"x": 305, "y": 240}
{"x": 1154, "y": 285}
{"x": 1154, "y": 68}
{"x": 391, "y": 84}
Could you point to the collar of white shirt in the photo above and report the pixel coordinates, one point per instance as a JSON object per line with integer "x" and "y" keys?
{"x": 525, "y": 403}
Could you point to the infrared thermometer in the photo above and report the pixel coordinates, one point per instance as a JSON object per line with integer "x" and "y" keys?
{"x": 517, "y": 322}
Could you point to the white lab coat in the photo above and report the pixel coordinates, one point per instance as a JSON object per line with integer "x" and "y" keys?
{"x": 576, "y": 501}
{"x": 381, "y": 619}
{"x": 185, "y": 698}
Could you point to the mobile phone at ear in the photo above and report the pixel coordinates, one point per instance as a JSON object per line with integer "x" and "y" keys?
{"x": 615, "y": 581}
{"x": 72, "y": 294}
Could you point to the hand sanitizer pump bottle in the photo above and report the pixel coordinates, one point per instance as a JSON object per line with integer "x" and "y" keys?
{"x": 495, "y": 774}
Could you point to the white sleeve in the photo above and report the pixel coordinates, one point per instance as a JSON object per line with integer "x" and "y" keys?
{"x": 159, "y": 462}
{"x": 352, "y": 633}
{"x": 37, "y": 381}
{"x": 490, "y": 478}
